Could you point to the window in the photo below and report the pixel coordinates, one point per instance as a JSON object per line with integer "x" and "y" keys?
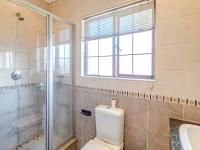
{"x": 120, "y": 43}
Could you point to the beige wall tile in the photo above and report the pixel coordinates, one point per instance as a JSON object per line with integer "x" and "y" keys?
{"x": 90, "y": 101}
{"x": 189, "y": 29}
{"x": 158, "y": 141}
{"x": 167, "y": 32}
{"x": 190, "y": 81}
{"x": 167, "y": 84}
{"x": 89, "y": 130}
{"x": 78, "y": 101}
{"x": 105, "y": 99}
{"x": 159, "y": 114}
{"x": 163, "y": 7}
{"x": 89, "y": 126}
{"x": 135, "y": 112}
{"x": 190, "y": 55}
{"x": 192, "y": 114}
{"x": 168, "y": 57}
{"x": 78, "y": 123}
{"x": 135, "y": 139}
{"x": 188, "y": 7}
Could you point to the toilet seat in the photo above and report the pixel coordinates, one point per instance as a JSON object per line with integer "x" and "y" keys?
{"x": 96, "y": 144}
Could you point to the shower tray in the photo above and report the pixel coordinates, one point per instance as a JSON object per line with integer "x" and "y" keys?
{"x": 38, "y": 143}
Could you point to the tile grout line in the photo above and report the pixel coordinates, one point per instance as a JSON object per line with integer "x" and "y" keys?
{"x": 147, "y": 125}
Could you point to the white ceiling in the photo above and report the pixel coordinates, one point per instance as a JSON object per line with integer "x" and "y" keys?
{"x": 49, "y": 1}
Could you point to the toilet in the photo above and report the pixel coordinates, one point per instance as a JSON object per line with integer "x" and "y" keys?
{"x": 109, "y": 129}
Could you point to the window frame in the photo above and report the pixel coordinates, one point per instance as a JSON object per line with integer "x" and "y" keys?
{"x": 115, "y": 48}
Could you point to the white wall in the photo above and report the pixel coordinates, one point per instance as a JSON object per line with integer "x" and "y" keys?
{"x": 39, "y": 3}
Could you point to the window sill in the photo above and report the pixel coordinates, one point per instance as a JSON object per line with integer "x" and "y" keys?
{"x": 121, "y": 78}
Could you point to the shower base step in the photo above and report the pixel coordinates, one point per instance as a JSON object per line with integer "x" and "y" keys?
{"x": 38, "y": 143}
{"x": 28, "y": 121}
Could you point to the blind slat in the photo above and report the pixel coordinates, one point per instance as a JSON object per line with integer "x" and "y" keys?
{"x": 106, "y": 27}
{"x": 99, "y": 28}
{"x": 140, "y": 21}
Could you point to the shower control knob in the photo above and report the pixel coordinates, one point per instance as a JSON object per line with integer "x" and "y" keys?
{"x": 16, "y": 75}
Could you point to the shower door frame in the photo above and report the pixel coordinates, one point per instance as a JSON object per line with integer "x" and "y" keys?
{"x": 49, "y": 74}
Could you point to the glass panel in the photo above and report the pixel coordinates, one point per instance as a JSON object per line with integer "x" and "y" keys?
{"x": 62, "y": 84}
{"x": 43, "y": 65}
{"x": 64, "y": 36}
{"x": 6, "y": 59}
{"x": 59, "y": 66}
{"x": 67, "y": 66}
{"x": 105, "y": 46}
{"x": 125, "y": 64}
{"x": 67, "y": 51}
{"x": 142, "y": 42}
{"x": 105, "y": 66}
{"x": 125, "y": 44}
{"x": 92, "y": 48}
{"x": 23, "y": 54}
{"x": 142, "y": 64}
{"x": 92, "y": 64}
{"x": 61, "y": 51}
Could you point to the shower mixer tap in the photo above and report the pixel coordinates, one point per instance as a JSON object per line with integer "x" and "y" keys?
{"x": 16, "y": 75}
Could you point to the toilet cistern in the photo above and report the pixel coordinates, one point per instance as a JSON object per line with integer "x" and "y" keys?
{"x": 109, "y": 128}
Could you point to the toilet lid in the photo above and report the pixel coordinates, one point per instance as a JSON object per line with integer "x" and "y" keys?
{"x": 95, "y": 145}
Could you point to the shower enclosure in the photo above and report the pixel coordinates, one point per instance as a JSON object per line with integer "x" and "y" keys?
{"x": 36, "y": 77}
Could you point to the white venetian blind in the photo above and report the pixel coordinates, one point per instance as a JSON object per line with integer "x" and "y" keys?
{"x": 136, "y": 22}
{"x": 99, "y": 28}
{"x": 136, "y": 18}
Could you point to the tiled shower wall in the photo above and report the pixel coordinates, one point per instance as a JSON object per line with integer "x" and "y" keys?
{"x": 23, "y": 101}
{"x": 146, "y": 118}
{"x": 18, "y": 102}
{"x": 19, "y": 43}
{"x": 63, "y": 111}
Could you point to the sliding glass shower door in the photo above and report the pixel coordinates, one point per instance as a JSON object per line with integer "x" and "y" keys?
{"x": 62, "y": 82}
{"x": 35, "y": 78}
{"x": 22, "y": 79}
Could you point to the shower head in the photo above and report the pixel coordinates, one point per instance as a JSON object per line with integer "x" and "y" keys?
{"x": 19, "y": 16}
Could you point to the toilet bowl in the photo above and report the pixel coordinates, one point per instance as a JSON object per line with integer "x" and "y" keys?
{"x": 109, "y": 129}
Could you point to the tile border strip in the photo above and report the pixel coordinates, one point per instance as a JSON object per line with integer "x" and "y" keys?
{"x": 161, "y": 98}
{"x": 5, "y": 88}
